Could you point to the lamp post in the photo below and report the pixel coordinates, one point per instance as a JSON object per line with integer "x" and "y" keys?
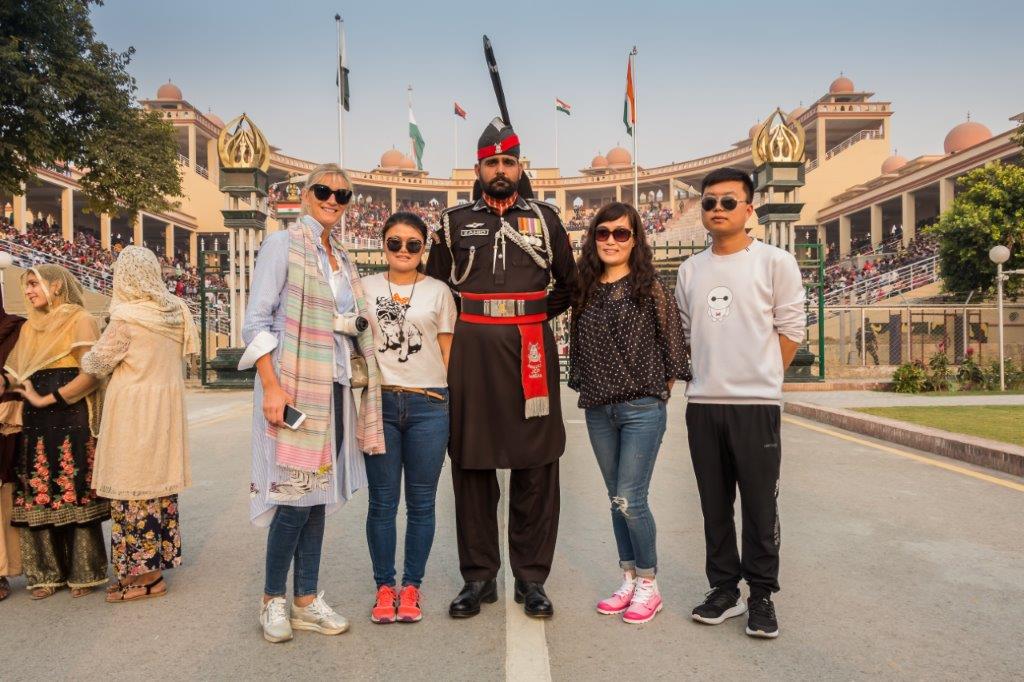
{"x": 999, "y": 254}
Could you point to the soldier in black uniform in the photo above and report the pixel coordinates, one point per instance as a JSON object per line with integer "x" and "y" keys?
{"x": 499, "y": 255}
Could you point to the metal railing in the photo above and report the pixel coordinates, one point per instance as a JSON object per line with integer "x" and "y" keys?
{"x": 201, "y": 170}
{"x": 871, "y": 134}
{"x": 886, "y": 284}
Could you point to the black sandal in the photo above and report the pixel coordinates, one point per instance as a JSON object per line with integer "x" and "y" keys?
{"x": 5, "y": 589}
{"x": 122, "y": 594}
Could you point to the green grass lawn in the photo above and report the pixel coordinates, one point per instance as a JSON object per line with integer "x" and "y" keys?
{"x": 998, "y": 422}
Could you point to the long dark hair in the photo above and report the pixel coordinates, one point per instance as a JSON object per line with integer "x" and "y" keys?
{"x": 641, "y": 260}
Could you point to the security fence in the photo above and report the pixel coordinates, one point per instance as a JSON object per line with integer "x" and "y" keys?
{"x": 866, "y": 336}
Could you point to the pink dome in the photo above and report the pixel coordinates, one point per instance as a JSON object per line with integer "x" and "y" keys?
{"x": 407, "y": 163}
{"x": 967, "y": 134}
{"x": 169, "y": 91}
{"x": 753, "y": 130}
{"x": 619, "y": 156}
{"x": 599, "y": 162}
{"x": 392, "y": 158}
{"x": 798, "y": 112}
{"x": 840, "y": 85}
{"x": 215, "y": 119}
{"x": 893, "y": 164}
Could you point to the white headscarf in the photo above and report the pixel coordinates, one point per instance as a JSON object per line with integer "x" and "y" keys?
{"x": 141, "y": 298}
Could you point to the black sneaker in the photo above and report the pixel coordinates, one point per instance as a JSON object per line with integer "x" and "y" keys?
{"x": 719, "y": 604}
{"x": 762, "y": 621}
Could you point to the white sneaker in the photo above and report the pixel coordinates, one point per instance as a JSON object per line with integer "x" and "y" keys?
{"x": 274, "y": 620}
{"x": 318, "y": 617}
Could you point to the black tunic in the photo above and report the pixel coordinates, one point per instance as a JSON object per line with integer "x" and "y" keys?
{"x": 489, "y": 429}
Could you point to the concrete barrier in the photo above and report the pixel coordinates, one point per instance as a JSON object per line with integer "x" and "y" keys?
{"x": 991, "y": 454}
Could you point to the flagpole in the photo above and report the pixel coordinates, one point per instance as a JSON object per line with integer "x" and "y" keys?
{"x": 556, "y": 134}
{"x": 341, "y": 127}
{"x": 412, "y": 142}
{"x": 636, "y": 182}
{"x": 455, "y": 156}
{"x": 341, "y": 108}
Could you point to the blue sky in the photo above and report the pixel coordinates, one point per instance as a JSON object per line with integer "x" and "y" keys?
{"x": 705, "y": 71}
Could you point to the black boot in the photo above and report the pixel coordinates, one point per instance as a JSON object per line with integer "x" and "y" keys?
{"x": 535, "y": 602}
{"x": 467, "y": 604}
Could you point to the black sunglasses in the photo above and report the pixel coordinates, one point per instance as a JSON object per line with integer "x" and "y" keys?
{"x": 395, "y": 245}
{"x": 321, "y": 192}
{"x": 727, "y": 203}
{"x": 621, "y": 234}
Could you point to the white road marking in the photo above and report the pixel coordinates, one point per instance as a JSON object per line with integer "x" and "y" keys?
{"x": 526, "y": 645}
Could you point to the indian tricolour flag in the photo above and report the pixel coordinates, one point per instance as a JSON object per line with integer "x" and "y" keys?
{"x": 629, "y": 107}
{"x": 564, "y": 107}
{"x": 417, "y": 140}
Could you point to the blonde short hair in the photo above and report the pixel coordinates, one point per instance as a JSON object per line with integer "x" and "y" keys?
{"x": 318, "y": 174}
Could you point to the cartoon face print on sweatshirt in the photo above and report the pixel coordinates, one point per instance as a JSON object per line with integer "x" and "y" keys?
{"x": 719, "y": 303}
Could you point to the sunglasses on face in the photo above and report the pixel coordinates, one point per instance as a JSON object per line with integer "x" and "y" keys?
{"x": 727, "y": 203}
{"x": 395, "y": 245}
{"x": 621, "y": 234}
{"x": 321, "y": 192}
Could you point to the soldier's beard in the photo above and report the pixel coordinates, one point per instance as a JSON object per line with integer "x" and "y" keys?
{"x": 500, "y": 188}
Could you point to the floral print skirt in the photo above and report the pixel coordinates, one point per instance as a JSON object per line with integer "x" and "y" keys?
{"x": 144, "y": 535}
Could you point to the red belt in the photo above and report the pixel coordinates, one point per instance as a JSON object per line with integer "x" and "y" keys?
{"x": 527, "y": 311}
{"x": 504, "y": 308}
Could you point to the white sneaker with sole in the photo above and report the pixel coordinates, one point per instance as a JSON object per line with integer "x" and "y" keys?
{"x": 274, "y": 619}
{"x": 318, "y": 617}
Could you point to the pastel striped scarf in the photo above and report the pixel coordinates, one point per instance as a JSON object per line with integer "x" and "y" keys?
{"x": 307, "y": 361}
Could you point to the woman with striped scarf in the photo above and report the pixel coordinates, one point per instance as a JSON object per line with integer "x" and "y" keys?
{"x": 303, "y": 283}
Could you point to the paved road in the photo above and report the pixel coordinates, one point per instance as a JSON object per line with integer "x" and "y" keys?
{"x": 892, "y": 568}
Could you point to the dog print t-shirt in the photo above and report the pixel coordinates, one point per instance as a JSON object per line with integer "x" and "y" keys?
{"x": 405, "y": 323}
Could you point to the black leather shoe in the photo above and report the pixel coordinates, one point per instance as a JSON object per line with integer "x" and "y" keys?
{"x": 467, "y": 604}
{"x": 535, "y": 602}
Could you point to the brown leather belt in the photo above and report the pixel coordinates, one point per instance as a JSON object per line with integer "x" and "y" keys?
{"x": 420, "y": 391}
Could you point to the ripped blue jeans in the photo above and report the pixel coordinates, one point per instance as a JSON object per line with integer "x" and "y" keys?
{"x": 626, "y": 438}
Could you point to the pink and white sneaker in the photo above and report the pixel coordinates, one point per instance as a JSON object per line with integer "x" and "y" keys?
{"x": 645, "y": 604}
{"x": 619, "y": 601}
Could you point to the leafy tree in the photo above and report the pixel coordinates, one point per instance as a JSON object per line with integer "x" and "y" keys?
{"x": 989, "y": 210}
{"x": 66, "y": 98}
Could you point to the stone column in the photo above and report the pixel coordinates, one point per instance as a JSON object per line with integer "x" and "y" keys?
{"x": 618, "y": 193}
{"x": 821, "y": 146}
{"x": 137, "y": 234}
{"x": 233, "y": 291}
{"x": 394, "y": 199}
{"x": 67, "y": 214}
{"x": 105, "y": 231}
{"x": 19, "y": 211}
{"x": 844, "y": 236}
{"x": 169, "y": 241}
{"x": 192, "y": 145}
{"x": 193, "y": 249}
{"x": 877, "y": 229}
{"x": 946, "y": 193}
{"x": 909, "y": 217}
{"x": 212, "y": 159}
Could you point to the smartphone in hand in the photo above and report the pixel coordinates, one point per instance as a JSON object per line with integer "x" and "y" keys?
{"x": 293, "y": 418}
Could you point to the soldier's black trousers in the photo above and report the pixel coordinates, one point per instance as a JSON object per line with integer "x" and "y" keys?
{"x": 734, "y": 445}
{"x": 532, "y": 521}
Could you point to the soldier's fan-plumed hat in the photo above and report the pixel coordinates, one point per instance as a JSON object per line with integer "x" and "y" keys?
{"x": 497, "y": 138}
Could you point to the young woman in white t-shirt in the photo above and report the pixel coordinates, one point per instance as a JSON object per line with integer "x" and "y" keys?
{"x": 413, "y": 317}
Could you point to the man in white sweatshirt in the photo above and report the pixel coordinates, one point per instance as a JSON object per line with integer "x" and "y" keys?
{"x": 742, "y": 304}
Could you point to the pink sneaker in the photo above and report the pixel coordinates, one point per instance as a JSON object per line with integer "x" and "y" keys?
{"x": 645, "y": 604}
{"x": 619, "y": 601}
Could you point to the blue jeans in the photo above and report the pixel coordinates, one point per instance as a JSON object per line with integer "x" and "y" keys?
{"x": 296, "y": 534}
{"x": 416, "y": 438}
{"x": 626, "y": 438}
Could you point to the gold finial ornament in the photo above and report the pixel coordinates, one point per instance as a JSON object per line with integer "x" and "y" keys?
{"x": 778, "y": 140}
{"x": 242, "y": 145}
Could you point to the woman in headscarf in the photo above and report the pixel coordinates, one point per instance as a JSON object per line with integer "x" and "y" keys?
{"x": 142, "y": 459}
{"x": 56, "y": 510}
{"x": 300, "y": 335}
{"x": 10, "y": 426}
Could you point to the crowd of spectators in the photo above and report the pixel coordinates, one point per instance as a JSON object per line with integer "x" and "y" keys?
{"x": 655, "y": 217}
{"x": 886, "y": 260}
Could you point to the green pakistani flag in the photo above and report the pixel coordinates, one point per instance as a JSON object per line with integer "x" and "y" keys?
{"x": 417, "y": 140}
